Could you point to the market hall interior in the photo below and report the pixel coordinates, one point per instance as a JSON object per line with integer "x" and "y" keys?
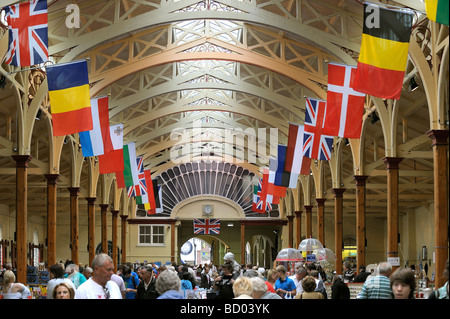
{"x": 202, "y": 88}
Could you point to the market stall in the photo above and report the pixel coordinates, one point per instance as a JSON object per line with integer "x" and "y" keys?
{"x": 289, "y": 258}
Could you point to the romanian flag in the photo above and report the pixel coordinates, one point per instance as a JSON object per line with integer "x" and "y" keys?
{"x": 437, "y": 10}
{"x": 68, "y": 89}
{"x": 384, "y": 52}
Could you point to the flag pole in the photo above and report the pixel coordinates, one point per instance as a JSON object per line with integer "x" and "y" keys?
{"x": 46, "y": 66}
{"x": 392, "y": 7}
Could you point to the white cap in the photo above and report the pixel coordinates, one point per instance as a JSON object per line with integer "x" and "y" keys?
{"x": 228, "y": 256}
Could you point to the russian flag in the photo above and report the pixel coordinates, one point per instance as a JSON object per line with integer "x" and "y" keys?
{"x": 97, "y": 141}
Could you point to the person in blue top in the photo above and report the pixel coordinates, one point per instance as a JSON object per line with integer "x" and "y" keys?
{"x": 185, "y": 282}
{"x": 131, "y": 283}
{"x": 284, "y": 285}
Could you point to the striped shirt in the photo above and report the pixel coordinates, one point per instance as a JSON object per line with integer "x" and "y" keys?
{"x": 376, "y": 287}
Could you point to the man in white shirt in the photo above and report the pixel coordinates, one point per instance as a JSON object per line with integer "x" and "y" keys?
{"x": 300, "y": 273}
{"x": 100, "y": 285}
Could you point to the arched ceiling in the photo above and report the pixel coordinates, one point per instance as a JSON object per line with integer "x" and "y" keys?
{"x": 227, "y": 64}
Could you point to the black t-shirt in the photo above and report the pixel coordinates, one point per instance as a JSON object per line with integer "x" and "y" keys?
{"x": 225, "y": 288}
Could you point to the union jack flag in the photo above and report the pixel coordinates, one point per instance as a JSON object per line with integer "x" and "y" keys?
{"x": 260, "y": 203}
{"x": 206, "y": 226}
{"x": 316, "y": 144}
{"x": 137, "y": 190}
{"x": 28, "y": 33}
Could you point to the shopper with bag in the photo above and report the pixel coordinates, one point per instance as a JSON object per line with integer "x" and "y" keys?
{"x": 284, "y": 284}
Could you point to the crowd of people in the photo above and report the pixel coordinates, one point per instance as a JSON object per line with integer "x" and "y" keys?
{"x": 227, "y": 281}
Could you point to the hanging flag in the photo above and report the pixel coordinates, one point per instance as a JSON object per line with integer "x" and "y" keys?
{"x": 207, "y": 226}
{"x": 316, "y": 144}
{"x": 258, "y": 204}
{"x": 278, "y": 178}
{"x": 135, "y": 190}
{"x": 437, "y": 10}
{"x": 345, "y": 106}
{"x": 295, "y": 162}
{"x": 97, "y": 141}
{"x": 156, "y": 197}
{"x": 68, "y": 89}
{"x": 384, "y": 52}
{"x": 145, "y": 195}
{"x": 112, "y": 162}
{"x": 130, "y": 172}
{"x": 268, "y": 190}
{"x": 120, "y": 179}
{"x": 28, "y": 33}
{"x": 159, "y": 204}
{"x": 156, "y": 204}
{"x": 282, "y": 176}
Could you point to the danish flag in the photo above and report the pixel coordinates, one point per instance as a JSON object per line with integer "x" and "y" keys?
{"x": 316, "y": 144}
{"x": 345, "y": 106}
{"x": 28, "y": 33}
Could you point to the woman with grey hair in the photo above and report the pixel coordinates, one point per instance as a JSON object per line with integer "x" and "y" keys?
{"x": 168, "y": 285}
{"x": 243, "y": 288}
{"x": 260, "y": 289}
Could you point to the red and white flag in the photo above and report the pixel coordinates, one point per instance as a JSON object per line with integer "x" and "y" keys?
{"x": 295, "y": 162}
{"x": 345, "y": 106}
{"x": 113, "y": 161}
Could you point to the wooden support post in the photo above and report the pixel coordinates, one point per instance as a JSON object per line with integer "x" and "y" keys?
{"x": 298, "y": 226}
{"x": 104, "y": 225}
{"x": 74, "y": 233}
{"x": 115, "y": 257}
{"x": 123, "y": 242}
{"x": 360, "y": 219}
{"x": 172, "y": 242}
{"x": 290, "y": 226}
{"x": 441, "y": 239}
{"x": 338, "y": 227}
{"x": 91, "y": 228}
{"x": 21, "y": 215}
{"x": 321, "y": 220}
{"x": 51, "y": 217}
{"x": 242, "y": 243}
{"x": 308, "y": 212}
{"x": 392, "y": 166}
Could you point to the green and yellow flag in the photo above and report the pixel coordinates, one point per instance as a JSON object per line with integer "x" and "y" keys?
{"x": 437, "y": 10}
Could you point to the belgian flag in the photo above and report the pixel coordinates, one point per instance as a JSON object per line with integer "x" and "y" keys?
{"x": 68, "y": 89}
{"x": 384, "y": 52}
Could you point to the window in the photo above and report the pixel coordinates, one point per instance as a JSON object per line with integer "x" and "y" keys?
{"x": 151, "y": 235}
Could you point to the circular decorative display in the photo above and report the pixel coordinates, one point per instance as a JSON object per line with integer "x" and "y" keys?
{"x": 187, "y": 248}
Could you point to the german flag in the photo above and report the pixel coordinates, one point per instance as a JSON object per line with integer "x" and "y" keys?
{"x": 68, "y": 89}
{"x": 437, "y": 10}
{"x": 384, "y": 52}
